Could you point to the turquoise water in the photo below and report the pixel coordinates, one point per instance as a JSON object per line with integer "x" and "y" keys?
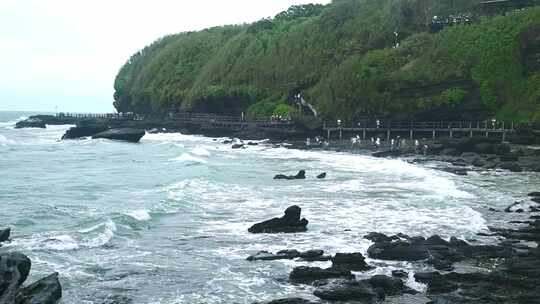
{"x": 165, "y": 220}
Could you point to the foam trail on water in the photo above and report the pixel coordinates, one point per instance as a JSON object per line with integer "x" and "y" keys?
{"x": 200, "y": 152}
{"x": 4, "y": 141}
{"x": 140, "y": 215}
{"x": 188, "y": 158}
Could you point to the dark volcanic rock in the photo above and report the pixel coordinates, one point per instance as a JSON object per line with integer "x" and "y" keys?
{"x": 289, "y": 223}
{"x": 437, "y": 251}
{"x": 14, "y": 269}
{"x": 45, "y": 291}
{"x": 534, "y": 194}
{"x": 31, "y": 123}
{"x": 306, "y": 275}
{"x": 300, "y": 175}
{"x": 237, "y": 146}
{"x": 125, "y": 134}
{"x": 310, "y": 255}
{"x": 4, "y": 234}
{"x": 391, "y": 286}
{"x": 350, "y": 261}
{"x": 347, "y": 290}
{"x": 321, "y": 176}
{"x": 400, "y": 274}
{"x": 85, "y": 129}
{"x": 511, "y": 166}
{"x": 379, "y": 237}
{"x": 398, "y": 250}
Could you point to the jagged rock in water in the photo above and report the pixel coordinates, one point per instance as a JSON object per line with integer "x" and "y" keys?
{"x": 31, "y": 123}
{"x": 310, "y": 255}
{"x": 350, "y": 261}
{"x": 289, "y": 223}
{"x": 14, "y": 269}
{"x": 437, "y": 251}
{"x": 300, "y": 175}
{"x": 45, "y": 291}
{"x": 347, "y": 290}
{"x": 306, "y": 275}
{"x": 4, "y": 234}
{"x": 391, "y": 286}
{"x": 400, "y": 273}
{"x": 86, "y": 128}
{"x": 124, "y": 134}
{"x": 321, "y": 176}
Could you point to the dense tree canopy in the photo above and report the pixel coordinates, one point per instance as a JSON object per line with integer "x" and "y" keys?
{"x": 343, "y": 57}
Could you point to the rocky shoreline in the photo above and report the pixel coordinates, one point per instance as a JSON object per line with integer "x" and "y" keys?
{"x": 511, "y": 268}
{"x": 511, "y": 275}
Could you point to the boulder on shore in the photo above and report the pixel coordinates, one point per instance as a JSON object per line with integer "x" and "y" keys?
{"x": 348, "y": 290}
{"x": 124, "y": 134}
{"x": 307, "y": 275}
{"x": 85, "y": 128}
{"x": 45, "y": 291}
{"x": 435, "y": 250}
{"x": 14, "y": 270}
{"x": 310, "y": 255}
{"x": 300, "y": 175}
{"x": 289, "y": 223}
{"x": 350, "y": 261}
{"x": 4, "y": 234}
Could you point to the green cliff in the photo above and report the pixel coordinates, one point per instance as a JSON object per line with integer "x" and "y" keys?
{"x": 342, "y": 58}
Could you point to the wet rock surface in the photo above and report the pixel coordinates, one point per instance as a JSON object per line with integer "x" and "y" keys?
{"x": 307, "y": 275}
{"x": 31, "y": 123}
{"x": 5, "y": 234}
{"x": 436, "y": 251}
{"x": 300, "y": 175}
{"x": 289, "y": 223}
{"x": 14, "y": 270}
{"x": 124, "y": 134}
{"x": 310, "y": 255}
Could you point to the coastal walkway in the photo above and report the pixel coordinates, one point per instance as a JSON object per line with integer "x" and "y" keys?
{"x": 412, "y": 129}
{"x": 364, "y": 128}
{"x": 203, "y": 119}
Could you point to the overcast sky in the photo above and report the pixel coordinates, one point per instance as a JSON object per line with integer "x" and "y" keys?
{"x": 66, "y": 53}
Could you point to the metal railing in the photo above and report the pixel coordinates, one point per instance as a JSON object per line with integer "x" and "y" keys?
{"x": 422, "y": 125}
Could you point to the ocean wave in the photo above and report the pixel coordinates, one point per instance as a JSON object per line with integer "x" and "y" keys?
{"x": 140, "y": 215}
{"x": 11, "y": 124}
{"x": 200, "y": 152}
{"x": 176, "y": 137}
{"x": 188, "y": 158}
{"x": 4, "y": 141}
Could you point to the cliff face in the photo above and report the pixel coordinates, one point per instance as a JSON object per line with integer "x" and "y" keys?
{"x": 350, "y": 59}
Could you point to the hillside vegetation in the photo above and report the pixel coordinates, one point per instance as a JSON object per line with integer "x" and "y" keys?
{"x": 342, "y": 58}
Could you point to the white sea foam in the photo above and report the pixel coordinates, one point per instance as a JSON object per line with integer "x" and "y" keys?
{"x": 200, "y": 152}
{"x": 60, "y": 243}
{"x": 102, "y": 238}
{"x": 4, "y": 141}
{"x": 140, "y": 215}
{"x": 175, "y": 137}
{"x": 188, "y": 158}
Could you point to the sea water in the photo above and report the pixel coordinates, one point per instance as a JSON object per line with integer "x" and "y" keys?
{"x": 165, "y": 220}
